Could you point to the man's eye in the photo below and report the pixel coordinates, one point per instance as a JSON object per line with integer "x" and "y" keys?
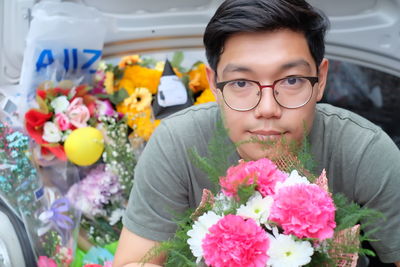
{"x": 292, "y": 80}
{"x": 239, "y": 84}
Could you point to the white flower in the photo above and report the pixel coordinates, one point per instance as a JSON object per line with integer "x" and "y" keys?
{"x": 85, "y": 206}
{"x": 257, "y": 208}
{"x": 284, "y": 251}
{"x": 116, "y": 215}
{"x": 199, "y": 231}
{"x": 60, "y": 104}
{"x": 293, "y": 179}
{"x": 51, "y": 133}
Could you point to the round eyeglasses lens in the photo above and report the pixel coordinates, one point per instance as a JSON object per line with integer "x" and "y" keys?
{"x": 293, "y": 92}
{"x": 241, "y": 94}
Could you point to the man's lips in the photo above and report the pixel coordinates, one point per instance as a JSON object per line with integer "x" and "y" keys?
{"x": 267, "y": 134}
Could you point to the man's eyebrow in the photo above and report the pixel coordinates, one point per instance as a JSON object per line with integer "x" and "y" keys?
{"x": 295, "y": 64}
{"x": 236, "y": 68}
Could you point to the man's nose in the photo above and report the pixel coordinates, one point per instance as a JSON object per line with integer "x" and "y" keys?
{"x": 268, "y": 107}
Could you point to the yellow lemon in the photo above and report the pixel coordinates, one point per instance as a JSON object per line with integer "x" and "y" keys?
{"x": 84, "y": 146}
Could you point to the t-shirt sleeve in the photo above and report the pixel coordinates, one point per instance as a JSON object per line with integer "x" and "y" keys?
{"x": 378, "y": 187}
{"x": 159, "y": 193}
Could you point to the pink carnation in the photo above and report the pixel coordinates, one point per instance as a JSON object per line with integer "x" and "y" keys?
{"x": 44, "y": 261}
{"x": 263, "y": 172}
{"x": 304, "y": 211}
{"x": 234, "y": 241}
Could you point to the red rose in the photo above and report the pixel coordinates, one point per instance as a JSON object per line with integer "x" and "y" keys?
{"x": 34, "y": 121}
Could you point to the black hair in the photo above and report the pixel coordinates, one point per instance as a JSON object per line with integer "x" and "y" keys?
{"x": 236, "y": 16}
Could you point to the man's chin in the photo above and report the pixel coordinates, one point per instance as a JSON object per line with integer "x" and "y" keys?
{"x": 252, "y": 151}
{"x": 255, "y": 150}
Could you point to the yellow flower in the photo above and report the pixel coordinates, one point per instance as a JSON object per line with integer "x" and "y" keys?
{"x": 198, "y": 79}
{"x": 139, "y": 100}
{"x": 145, "y": 127}
{"x": 138, "y": 76}
{"x": 206, "y": 96}
{"x": 133, "y": 116}
{"x": 129, "y": 60}
{"x": 160, "y": 66}
{"x": 109, "y": 82}
{"x": 142, "y": 123}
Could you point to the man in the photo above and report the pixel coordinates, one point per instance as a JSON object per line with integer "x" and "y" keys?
{"x": 267, "y": 72}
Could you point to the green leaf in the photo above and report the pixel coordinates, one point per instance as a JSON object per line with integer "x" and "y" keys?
{"x": 148, "y": 62}
{"x": 196, "y": 64}
{"x": 118, "y": 96}
{"x": 245, "y": 192}
{"x": 220, "y": 150}
{"x": 177, "y": 59}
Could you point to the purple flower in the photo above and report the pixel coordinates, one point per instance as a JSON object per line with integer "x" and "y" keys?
{"x": 104, "y": 108}
{"x": 97, "y": 189}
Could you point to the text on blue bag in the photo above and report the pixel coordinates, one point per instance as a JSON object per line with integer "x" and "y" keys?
{"x": 70, "y": 59}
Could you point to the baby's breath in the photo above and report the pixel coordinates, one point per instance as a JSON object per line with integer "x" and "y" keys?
{"x": 119, "y": 155}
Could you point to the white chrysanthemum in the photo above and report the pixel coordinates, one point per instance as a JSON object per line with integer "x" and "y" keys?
{"x": 257, "y": 208}
{"x": 116, "y": 215}
{"x": 293, "y": 179}
{"x": 284, "y": 251}
{"x": 60, "y": 104}
{"x": 199, "y": 231}
{"x": 51, "y": 133}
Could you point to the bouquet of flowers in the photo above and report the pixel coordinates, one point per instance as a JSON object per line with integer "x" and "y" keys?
{"x": 36, "y": 195}
{"x": 61, "y": 110}
{"x": 17, "y": 174}
{"x": 132, "y": 86}
{"x": 267, "y": 213}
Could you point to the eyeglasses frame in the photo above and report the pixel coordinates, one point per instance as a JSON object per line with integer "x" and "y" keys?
{"x": 312, "y": 79}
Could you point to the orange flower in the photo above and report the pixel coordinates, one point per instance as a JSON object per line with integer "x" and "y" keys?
{"x": 129, "y": 60}
{"x": 138, "y": 76}
{"x": 198, "y": 79}
{"x": 205, "y": 97}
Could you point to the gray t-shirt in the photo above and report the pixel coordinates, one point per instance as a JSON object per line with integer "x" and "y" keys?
{"x": 361, "y": 161}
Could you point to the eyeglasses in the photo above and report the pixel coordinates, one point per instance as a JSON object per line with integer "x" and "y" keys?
{"x": 290, "y": 92}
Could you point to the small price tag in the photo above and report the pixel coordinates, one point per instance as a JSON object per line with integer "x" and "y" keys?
{"x": 39, "y": 193}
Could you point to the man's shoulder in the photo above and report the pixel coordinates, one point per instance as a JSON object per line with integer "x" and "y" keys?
{"x": 338, "y": 133}
{"x": 198, "y": 111}
{"x": 339, "y": 118}
{"x": 203, "y": 115}
{"x": 192, "y": 126}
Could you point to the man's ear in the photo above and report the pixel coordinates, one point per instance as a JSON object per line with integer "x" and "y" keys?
{"x": 322, "y": 78}
{"x": 211, "y": 80}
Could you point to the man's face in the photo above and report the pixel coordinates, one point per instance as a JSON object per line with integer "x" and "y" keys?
{"x": 266, "y": 57}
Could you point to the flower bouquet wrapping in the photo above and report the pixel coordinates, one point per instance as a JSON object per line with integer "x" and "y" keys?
{"x": 37, "y": 195}
{"x": 18, "y": 177}
{"x": 269, "y": 212}
{"x": 52, "y": 222}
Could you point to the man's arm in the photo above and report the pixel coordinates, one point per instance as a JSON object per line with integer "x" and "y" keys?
{"x": 397, "y": 263}
{"x": 131, "y": 250}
